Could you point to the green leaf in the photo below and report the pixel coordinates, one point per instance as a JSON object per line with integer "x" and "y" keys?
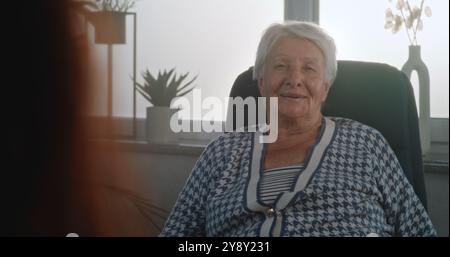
{"x": 160, "y": 91}
{"x": 144, "y": 94}
{"x": 187, "y": 84}
{"x": 182, "y": 94}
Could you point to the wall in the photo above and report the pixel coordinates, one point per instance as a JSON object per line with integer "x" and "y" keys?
{"x": 437, "y": 195}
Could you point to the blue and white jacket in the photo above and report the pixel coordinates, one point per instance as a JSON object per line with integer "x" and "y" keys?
{"x": 352, "y": 185}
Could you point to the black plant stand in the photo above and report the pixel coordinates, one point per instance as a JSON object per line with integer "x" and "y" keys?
{"x": 109, "y": 78}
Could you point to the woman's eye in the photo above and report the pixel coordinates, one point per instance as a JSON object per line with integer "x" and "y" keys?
{"x": 280, "y": 66}
{"x": 310, "y": 69}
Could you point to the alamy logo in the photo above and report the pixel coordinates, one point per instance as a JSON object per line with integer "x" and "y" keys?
{"x": 258, "y": 115}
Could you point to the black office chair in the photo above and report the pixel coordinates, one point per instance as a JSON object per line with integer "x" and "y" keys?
{"x": 374, "y": 94}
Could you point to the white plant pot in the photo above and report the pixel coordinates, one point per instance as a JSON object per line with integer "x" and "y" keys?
{"x": 158, "y": 124}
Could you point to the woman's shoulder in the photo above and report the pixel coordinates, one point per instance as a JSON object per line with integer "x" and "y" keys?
{"x": 228, "y": 139}
{"x": 355, "y": 127}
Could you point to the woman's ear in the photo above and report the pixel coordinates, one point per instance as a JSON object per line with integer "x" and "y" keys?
{"x": 327, "y": 86}
{"x": 261, "y": 87}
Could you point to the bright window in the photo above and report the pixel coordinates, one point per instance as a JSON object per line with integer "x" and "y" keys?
{"x": 215, "y": 40}
{"x": 358, "y": 28}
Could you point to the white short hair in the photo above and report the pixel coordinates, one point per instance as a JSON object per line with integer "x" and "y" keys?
{"x": 306, "y": 30}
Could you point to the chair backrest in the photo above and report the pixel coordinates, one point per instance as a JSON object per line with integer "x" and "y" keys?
{"x": 374, "y": 94}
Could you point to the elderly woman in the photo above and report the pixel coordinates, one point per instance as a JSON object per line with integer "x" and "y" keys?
{"x": 323, "y": 176}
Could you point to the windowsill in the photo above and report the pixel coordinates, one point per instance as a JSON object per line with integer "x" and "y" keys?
{"x": 436, "y": 161}
{"x": 438, "y": 154}
{"x": 180, "y": 147}
{"x": 433, "y": 163}
{"x": 435, "y": 167}
{"x": 194, "y": 143}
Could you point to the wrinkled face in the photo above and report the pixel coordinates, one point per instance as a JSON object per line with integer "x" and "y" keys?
{"x": 294, "y": 72}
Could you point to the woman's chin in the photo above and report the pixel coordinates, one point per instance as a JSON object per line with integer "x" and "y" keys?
{"x": 292, "y": 113}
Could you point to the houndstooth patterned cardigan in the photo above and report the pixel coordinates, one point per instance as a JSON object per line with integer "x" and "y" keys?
{"x": 352, "y": 185}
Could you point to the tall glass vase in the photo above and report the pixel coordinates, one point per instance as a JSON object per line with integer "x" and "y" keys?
{"x": 415, "y": 63}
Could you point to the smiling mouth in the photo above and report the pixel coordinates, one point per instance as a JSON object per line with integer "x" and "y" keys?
{"x": 290, "y": 96}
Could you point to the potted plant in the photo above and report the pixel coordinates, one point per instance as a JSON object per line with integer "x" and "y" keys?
{"x": 110, "y": 20}
{"x": 160, "y": 91}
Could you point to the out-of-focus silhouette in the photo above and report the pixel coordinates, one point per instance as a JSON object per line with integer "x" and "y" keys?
{"x": 43, "y": 82}
{"x": 50, "y": 182}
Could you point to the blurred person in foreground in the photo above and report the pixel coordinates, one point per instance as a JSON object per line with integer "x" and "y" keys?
{"x": 52, "y": 182}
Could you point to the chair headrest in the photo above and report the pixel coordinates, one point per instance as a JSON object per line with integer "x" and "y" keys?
{"x": 375, "y": 94}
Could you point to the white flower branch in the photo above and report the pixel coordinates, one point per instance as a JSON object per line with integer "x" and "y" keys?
{"x": 411, "y": 17}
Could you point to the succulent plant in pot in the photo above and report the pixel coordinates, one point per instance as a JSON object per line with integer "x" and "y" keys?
{"x": 160, "y": 91}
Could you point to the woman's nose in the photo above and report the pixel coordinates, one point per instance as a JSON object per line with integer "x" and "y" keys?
{"x": 295, "y": 77}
